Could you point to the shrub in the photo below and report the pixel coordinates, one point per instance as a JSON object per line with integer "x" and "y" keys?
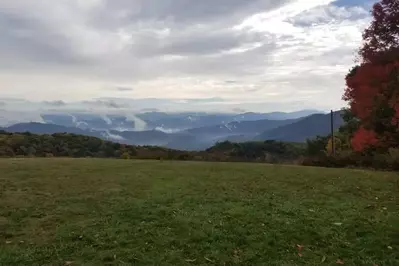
{"x": 125, "y": 156}
{"x": 378, "y": 161}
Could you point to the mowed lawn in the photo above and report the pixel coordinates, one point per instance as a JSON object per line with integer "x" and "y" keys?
{"x": 121, "y": 212}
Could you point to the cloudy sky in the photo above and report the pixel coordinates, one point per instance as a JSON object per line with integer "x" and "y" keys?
{"x": 256, "y": 55}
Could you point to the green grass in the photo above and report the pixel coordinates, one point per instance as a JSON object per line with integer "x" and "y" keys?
{"x": 116, "y": 212}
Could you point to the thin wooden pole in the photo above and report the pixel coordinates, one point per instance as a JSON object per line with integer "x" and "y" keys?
{"x": 332, "y": 133}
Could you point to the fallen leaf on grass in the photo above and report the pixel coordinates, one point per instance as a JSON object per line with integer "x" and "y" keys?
{"x": 68, "y": 262}
{"x": 191, "y": 260}
{"x": 8, "y": 242}
{"x": 340, "y": 261}
{"x": 300, "y": 255}
{"x": 323, "y": 259}
{"x": 299, "y": 247}
{"x": 209, "y": 259}
{"x": 338, "y": 224}
{"x": 389, "y": 247}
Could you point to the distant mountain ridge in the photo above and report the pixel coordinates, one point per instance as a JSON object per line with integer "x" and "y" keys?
{"x": 91, "y": 121}
{"x": 42, "y": 128}
{"x": 306, "y": 128}
{"x": 197, "y": 138}
{"x": 185, "y": 121}
{"x": 240, "y": 128}
{"x": 167, "y": 122}
{"x": 279, "y": 115}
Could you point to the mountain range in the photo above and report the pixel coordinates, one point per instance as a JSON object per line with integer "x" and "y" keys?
{"x": 186, "y": 131}
{"x": 306, "y": 128}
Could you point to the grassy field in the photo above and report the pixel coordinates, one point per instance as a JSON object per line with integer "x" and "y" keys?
{"x": 116, "y": 212}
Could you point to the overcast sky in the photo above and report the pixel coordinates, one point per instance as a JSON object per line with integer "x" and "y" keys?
{"x": 256, "y": 55}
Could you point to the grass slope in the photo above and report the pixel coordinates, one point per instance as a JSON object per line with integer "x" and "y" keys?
{"x": 115, "y": 212}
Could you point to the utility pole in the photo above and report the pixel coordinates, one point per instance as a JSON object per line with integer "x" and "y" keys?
{"x": 332, "y": 133}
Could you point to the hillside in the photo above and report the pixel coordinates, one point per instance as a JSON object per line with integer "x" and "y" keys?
{"x": 41, "y": 128}
{"x": 119, "y": 212}
{"x": 280, "y": 115}
{"x": 153, "y": 137}
{"x": 150, "y": 137}
{"x": 168, "y": 122}
{"x": 250, "y": 128}
{"x": 78, "y": 146}
{"x": 72, "y": 145}
{"x": 90, "y": 121}
{"x": 306, "y": 128}
{"x": 183, "y": 121}
{"x": 187, "y": 120}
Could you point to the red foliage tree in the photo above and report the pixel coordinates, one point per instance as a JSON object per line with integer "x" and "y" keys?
{"x": 362, "y": 139}
{"x": 373, "y": 87}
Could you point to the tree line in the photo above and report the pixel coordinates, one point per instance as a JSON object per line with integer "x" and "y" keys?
{"x": 80, "y": 146}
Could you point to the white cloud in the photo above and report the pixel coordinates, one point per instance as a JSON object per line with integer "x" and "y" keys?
{"x": 275, "y": 21}
{"x": 281, "y": 54}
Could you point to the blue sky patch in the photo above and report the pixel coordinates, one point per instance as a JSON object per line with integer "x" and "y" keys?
{"x": 354, "y": 3}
